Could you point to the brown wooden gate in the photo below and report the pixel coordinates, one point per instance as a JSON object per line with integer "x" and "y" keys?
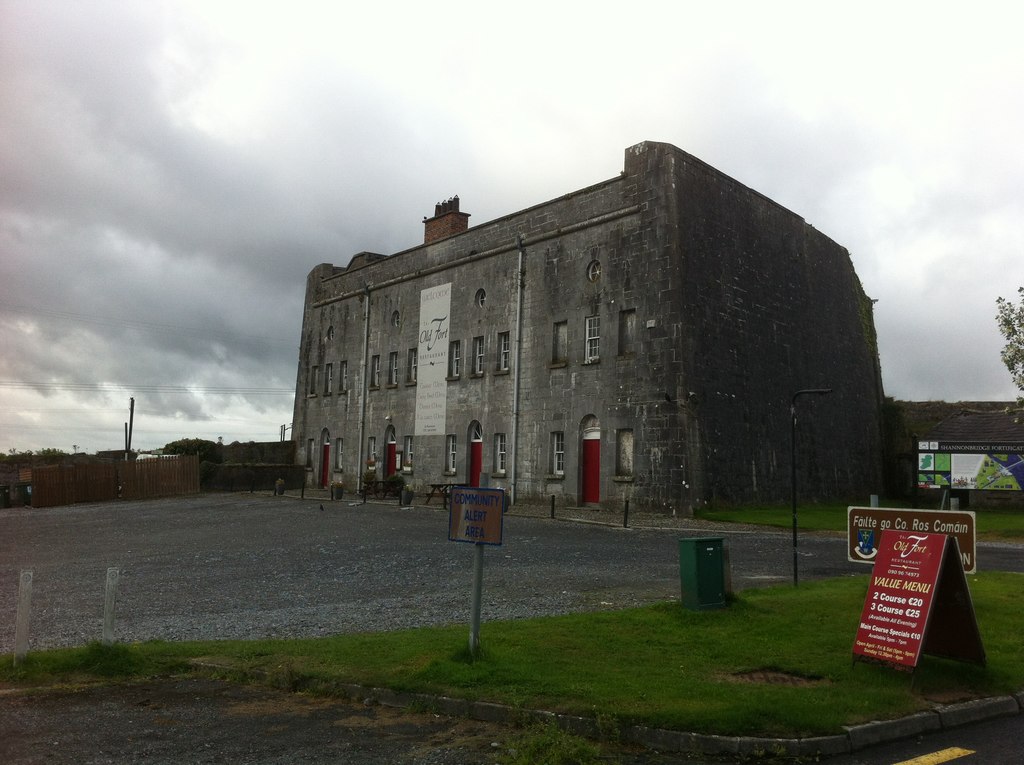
{"x": 162, "y": 477}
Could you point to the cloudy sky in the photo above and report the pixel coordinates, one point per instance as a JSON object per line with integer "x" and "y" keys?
{"x": 171, "y": 171}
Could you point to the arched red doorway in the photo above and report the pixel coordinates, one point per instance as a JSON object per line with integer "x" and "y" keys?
{"x": 476, "y": 454}
{"x": 325, "y": 459}
{"x": 390, "y": 454}
{"x": 590, "y": 462}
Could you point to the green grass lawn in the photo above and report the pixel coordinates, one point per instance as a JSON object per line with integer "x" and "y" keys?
{"x": 660, "y": 665}
{"x": 992, "y": 524}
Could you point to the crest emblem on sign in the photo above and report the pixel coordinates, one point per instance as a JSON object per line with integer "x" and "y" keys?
{"x": 866, "y": 544}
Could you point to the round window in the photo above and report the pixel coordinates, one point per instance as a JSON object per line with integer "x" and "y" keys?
{"x": 481, "y": 296}
{"x": 396, "y": 319}
{"x": 594, "y": 270}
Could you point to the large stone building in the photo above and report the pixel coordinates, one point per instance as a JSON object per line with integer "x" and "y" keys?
{"x": 641, "y": 338}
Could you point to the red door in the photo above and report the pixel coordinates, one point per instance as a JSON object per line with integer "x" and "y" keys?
{"x": 591, "y": 467}
{"x": 325, "y": 467}
{"x": 389, "y": 459}
{"x": 476, "y": 461}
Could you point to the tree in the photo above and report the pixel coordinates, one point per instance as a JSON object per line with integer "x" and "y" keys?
{"x": 207, "y": 451}
{"x": 1010, "y": 317}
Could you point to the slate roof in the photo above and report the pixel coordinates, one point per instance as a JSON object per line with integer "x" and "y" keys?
{"x": 980, "y": 426}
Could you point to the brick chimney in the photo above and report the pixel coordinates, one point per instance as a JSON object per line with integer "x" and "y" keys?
{"x": 447, "y": 221}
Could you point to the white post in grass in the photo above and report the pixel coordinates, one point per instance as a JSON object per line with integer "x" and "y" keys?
{"x": 113, "y": 574}
{"x": 21, "y": 625}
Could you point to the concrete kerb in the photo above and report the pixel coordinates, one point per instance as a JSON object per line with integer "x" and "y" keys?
{"x": 853, "y": 739}
{"x": 976, "y": 710}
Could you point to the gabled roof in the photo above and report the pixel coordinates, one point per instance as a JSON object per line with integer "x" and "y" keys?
{"x": 981, "y": 427}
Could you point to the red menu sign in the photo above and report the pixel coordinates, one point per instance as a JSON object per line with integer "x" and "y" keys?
{"x": 899, "y": 599}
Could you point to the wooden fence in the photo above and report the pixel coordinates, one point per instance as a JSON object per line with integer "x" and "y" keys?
{"x": 102, "y": 482}
{"x": 162, "y": 477}
{"x": 67, "y": 484}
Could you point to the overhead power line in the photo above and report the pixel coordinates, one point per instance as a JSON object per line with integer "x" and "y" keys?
{"x": 113, "y": 387}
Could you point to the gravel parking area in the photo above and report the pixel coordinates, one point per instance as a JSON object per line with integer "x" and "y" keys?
{"x": 248, "y": 566}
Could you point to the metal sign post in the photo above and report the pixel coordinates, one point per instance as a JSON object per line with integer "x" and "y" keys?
{"x": 478, "y": 588}
{"x": 475, "y": 515}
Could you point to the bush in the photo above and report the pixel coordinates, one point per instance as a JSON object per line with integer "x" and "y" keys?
{"x": 207, "y": 451}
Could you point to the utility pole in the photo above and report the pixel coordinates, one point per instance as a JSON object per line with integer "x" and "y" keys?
{"x": 128, "y": 429}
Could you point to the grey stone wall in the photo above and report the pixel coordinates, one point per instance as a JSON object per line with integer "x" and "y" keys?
{"x": 715, "y": 305}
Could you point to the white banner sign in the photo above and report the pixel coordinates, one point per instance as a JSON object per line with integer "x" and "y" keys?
{"x": 432, "y": 360}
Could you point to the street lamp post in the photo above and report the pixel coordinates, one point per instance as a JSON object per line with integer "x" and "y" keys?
{"x": 792, "y": 462}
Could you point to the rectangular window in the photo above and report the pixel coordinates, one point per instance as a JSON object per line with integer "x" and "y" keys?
{"x": 410, "y": 370}
{"x": 478, "y": 355}
{"x": 393, "y": 368}
{"x": 371, "y": 449}
{"x": 309, "y": 453}
{"x": 500, "y": 454}
{"x": 450, "y": 453}
{"x": 504, "y": 351}
{"x": 627, "y": 332}
{"x": 454, "y": 358}
{"x": 558, "y": 453}
{"x": 560, "y": 342}
{"x": 624, "y": 453}
{"x": 312, "y": 380}
{"x": 343, "y": 377}
{"x": 375, "y": 372}
{"x": 407, "y": 454}
{"x": 592, "y": 350}
{"x": 339, "y": 448}
{"x": 328, "y": 379}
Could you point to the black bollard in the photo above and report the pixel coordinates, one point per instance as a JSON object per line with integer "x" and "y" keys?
{"x": 625, "y": 516}
{"x": 552, "y": 507}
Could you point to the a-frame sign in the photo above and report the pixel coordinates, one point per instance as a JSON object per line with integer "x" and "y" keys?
{"x": 918, "y": 602}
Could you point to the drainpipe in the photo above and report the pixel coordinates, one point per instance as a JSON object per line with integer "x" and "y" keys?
{"x": 364, "y": 385}
{"x": 520, "y": 279}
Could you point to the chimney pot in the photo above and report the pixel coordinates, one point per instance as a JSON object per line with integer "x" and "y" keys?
{"x": 447, "y": 221}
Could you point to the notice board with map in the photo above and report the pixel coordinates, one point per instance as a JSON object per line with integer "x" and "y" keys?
{"x": 982, "y": 466}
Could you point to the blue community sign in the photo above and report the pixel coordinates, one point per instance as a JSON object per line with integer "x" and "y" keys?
{"x": 476, "y": 515}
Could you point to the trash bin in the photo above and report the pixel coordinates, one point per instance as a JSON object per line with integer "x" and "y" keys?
{"x": 22, "y": 495}
{"x": 702, "y": 573}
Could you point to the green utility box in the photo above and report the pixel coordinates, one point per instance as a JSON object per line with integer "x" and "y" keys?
{"x": 702, "y": 572}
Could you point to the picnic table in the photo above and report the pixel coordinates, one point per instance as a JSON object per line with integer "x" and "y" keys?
{"x": 445, "y": 489}
{"x": 382, "y": 489}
